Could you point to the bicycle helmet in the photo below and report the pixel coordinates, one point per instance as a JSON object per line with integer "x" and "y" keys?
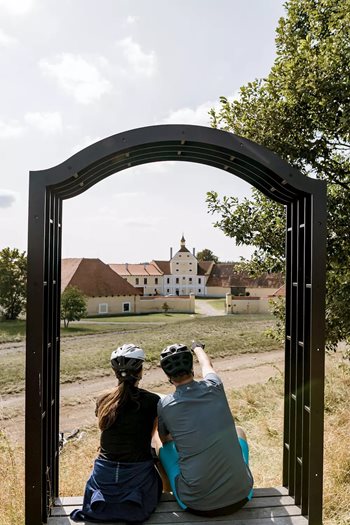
{"x": 127, "y": 359}
{"x": 176, "y": 360}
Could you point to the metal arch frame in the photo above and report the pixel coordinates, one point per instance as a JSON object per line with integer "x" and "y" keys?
{"x": 305, "y": 200}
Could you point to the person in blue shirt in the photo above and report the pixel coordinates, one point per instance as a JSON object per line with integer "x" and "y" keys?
{"x": 204, "y": 454}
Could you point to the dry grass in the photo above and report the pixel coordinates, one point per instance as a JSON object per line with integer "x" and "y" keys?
{"x": 12, "y": 482}
{"x": 258, "y": 408}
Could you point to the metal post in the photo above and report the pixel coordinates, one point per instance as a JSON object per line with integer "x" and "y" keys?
{"x": 317, "y": 354}
{"x": 34, "y": 488}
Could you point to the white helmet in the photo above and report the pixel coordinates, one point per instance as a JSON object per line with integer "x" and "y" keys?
{"x": 127, "y": 359}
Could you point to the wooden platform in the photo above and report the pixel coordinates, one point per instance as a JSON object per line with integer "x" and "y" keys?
{"x": 269, "y": 506}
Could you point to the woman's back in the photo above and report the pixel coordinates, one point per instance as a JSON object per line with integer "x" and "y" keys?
{"x": 128, "y": 439}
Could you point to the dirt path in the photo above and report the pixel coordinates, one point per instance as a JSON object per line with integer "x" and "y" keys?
{"x": 204, "y": 308}
{"x": 78, "y": 399}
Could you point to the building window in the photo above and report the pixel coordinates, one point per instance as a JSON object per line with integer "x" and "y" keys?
{"x": 167, "y": 291}
{"x": 190, "y": 269}
{"x": 187, "y": 255}
{"x": 137, "y": 280}
{"x": 177, "y": 269}
{"x": 145, "y": 280}
{"x": 190, "y": 279}
{"x": 156, "y": 280}
{"x": 199, "y": 291}
{"x": 184, "y": 277}
{"x": 199, "y": 280}
{"x": 126, "y": 307}
{"x": 177, "y": 263}
{"x": 103, "y": 308}
{"x": 177, "y": 280}
{"x": 190, "y": 263}
{"x": 168, "y": 280}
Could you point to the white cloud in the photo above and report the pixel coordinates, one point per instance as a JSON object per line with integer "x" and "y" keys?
{"x": 7, "y": 198}
{"x": 126, "y": 195}
{"x": 142, "y": 224}
{"x": 17, "y": 7}
{"x": 132, "y": 19}
{"x": 78, "y": 77}
{"x": 46, "y": 122}
{"x": 11, "y": 129}
{"x": 6, "y": 40}
{"x": 198, "y": 116}
{"x": 140, "y": 63}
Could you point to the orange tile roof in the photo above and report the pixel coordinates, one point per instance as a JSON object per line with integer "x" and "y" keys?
{"x": 163, "y": 266}
{"x": 120, "y": 269}
{"x": 136, "y": 269}
{"x": 94, "y": 278}
{"x": 205, "y": 267}
{"x": 223, "y": 274}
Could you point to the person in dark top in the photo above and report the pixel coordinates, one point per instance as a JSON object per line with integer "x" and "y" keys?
{"x": 124, "y": 485}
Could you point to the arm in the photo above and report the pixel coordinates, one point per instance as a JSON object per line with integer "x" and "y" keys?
{"x": 203, "y": 359}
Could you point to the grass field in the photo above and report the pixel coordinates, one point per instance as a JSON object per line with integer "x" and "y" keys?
{"x": 15, "y": 331}
{"x": 85, "y": 358}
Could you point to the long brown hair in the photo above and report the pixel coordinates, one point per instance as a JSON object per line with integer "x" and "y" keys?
{"x": 109, "y": 405}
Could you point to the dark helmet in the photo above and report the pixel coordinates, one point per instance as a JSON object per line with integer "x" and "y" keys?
{"x": 127, "y": 359}
{"x": 176, "y": 360}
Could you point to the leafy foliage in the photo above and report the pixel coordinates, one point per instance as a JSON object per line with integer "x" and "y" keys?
{"x": 13, "y": 276}
{"x": 301, "y": 110}
{"x": 165, "y": 307}
{"x": 207, "y": 255}
{"x": 73, "y": 305}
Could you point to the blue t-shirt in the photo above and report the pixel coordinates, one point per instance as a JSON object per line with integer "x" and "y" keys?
{"x": 213, "y": 473}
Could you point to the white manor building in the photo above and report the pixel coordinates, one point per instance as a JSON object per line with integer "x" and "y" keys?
{"x": 183, "y": 274}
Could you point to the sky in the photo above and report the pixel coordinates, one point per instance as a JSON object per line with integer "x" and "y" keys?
{"x": 76, "y": 71}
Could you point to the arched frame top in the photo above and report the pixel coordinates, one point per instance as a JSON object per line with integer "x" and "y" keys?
{"x": 251, "y": 162}
{"x": 305, "y": 201}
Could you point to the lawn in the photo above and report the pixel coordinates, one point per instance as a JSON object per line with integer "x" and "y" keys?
{"x": 87, "y": 357}
{"x": 15, "y": 331}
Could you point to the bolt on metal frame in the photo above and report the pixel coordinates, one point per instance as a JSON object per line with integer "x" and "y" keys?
{"x": 305, "y": 201}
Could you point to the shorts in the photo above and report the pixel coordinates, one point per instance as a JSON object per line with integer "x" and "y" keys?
{"x": 169, "y": 457}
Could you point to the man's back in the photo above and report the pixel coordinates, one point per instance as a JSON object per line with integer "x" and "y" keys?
{"x": 213, "y": 472}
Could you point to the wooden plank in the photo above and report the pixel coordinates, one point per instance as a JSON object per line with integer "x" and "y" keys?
{"x": 258, "y": 493}
{"x": 283, "y": 520}
{"x": 246, "y": 513}
{"x": 172, "y": 506}
{"x": 242, "y": 515}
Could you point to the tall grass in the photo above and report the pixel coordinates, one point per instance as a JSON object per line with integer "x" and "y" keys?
{"x": 12, "y": 483}
{"x": 259, "y": 409}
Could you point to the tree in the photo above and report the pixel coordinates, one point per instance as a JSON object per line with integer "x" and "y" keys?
{"x": 13, "y": 277}
{"x": 301, "y": 110}
{"x": 73, "y": 305}
{"x": 207, "y": 255}
{"x": 165, "y": 308}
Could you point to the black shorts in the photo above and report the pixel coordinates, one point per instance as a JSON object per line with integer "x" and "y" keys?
{"x": 224, "y": 511}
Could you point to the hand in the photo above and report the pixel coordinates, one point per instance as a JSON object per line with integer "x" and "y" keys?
{"x": 196, "y": 344}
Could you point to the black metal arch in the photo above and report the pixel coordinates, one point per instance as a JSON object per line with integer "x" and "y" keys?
{"x": 305, "y": 200}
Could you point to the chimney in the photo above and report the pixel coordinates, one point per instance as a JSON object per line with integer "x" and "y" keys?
{"x": 194, "y": 251}
{"x": 126, "y": 266}
{"x": 171, "y": 253}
